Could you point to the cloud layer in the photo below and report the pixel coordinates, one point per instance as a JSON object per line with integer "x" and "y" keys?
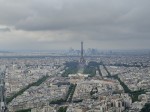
{"x": 50, "y": 24}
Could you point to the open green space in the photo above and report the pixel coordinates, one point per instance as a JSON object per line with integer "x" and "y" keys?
{"x": 146, "y": 108}
{"x": 72, "y": 92}
{"x": 109, "y": 75}
{"x": 91, "y": 68}
{"x": 62, "y": 109}
{"x": 58, "y": 101}
{"x": 134, "y": 94}
{"x": 71, "y": 68}
{"x": 68, "y": 96}
{"x": 37, "y": 83}
{"x": 25, "y": 110}
{"x": 127, "y": 65}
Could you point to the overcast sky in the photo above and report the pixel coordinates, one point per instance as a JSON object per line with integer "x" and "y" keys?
{"x": 62, "y": 24}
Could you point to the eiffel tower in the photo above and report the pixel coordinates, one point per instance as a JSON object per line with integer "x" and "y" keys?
{"x": 82, "y": 60}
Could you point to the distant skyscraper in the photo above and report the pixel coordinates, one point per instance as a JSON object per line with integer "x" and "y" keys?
{"x": 82, "y": 60}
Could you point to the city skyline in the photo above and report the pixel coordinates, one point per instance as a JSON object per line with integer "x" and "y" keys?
{"x": 62, "y": 24}
{"x": 74, "y": 56}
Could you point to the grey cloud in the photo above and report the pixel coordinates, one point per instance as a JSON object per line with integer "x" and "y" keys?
{"x": 50, "y": 15}
{"x": 4, "y": 30}
{"x": 112, "y": 21}
{"x": 88, "y": 15}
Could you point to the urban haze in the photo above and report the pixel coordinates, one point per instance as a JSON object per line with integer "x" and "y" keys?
{"x": 74, "y": 56}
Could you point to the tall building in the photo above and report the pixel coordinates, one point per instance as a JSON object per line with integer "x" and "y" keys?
{"x": 82, "y": 60}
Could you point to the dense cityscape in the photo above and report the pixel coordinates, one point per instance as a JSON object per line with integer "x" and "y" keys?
{"x": 74, "y": 55}
{"x": 104, "y": 83}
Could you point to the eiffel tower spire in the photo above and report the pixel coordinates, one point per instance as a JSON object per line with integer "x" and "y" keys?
{"x": 82, "y": 60}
